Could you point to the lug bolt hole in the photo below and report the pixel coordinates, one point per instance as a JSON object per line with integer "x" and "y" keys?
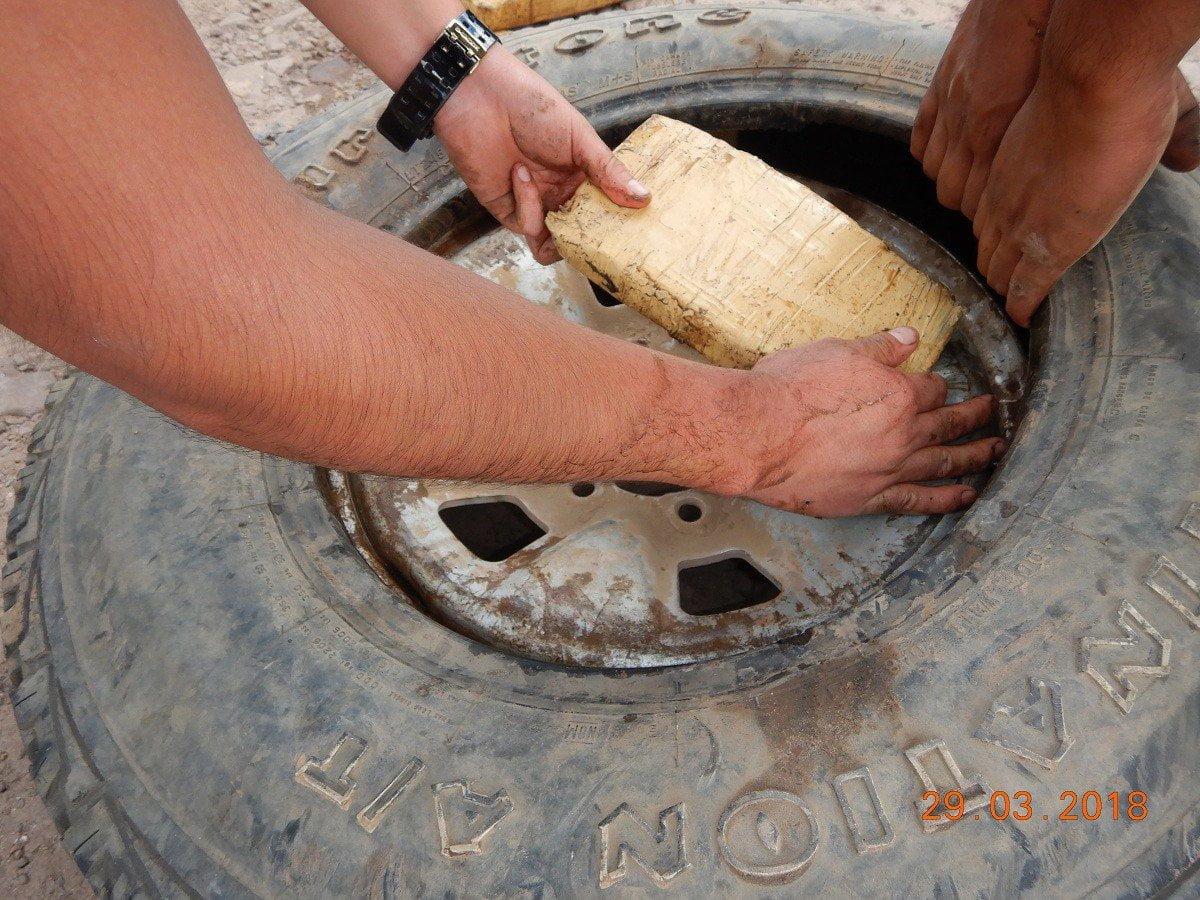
{"x": 689, "y": 512}
{"x": 583, "y": 489}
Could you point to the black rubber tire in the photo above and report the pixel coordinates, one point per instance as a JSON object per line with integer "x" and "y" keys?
{"x": 191, "y": 633}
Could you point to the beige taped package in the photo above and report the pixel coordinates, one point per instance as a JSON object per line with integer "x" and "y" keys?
{"x": 502, "y": 15}
{"x": 738, "y": 260}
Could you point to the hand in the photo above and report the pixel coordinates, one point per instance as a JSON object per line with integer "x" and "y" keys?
{"x": 523, "y": 149}
{"x": 1069, "y": 166}
{"x": 993, "y": 94}
{"x": 854, "y": 435}
{"x": 986, "y": 73}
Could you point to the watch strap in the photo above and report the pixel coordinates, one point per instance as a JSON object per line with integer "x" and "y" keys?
{"x": 453, "y": 56}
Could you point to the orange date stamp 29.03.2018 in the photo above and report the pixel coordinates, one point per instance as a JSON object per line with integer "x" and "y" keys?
{"x": 1088, "y": 806}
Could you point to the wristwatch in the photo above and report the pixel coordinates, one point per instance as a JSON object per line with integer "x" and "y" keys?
{"x": 409, "y": 115}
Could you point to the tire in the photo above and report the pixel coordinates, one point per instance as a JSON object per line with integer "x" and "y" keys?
{"x": 220, "y": 697}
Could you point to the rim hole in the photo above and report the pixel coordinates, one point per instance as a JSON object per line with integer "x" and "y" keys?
{"x": 493, "y": 530}
{"x": 603, "y": 297}
{"x": 649, "y": 488}
{"x": 724, "y": 586}
{"x": 689, "y": 512}
{"x": 583, "y": 489}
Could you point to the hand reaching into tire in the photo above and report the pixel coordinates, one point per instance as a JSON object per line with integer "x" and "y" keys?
{"x": 857, "y": 436}
{"x": 1044, "y": 163}
{"x": 523, "y": 149}
{"x": 1035, "y": 222}
{"x": 986, "y": 73}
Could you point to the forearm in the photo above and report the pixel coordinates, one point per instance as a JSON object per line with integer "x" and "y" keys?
{"x": 1101, "y": 46}
{"x": 389, "y": 36}
{"x": 364, "y": 353}
{"x": 164, "y": 254}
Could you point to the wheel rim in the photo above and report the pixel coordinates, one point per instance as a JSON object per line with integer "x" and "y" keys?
{"x": 638, "y": 576}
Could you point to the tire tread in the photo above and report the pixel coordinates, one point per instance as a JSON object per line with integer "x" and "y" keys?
{"x": 90, "y": 824}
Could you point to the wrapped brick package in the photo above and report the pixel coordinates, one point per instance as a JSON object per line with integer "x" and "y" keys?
{"x": 738, "y": 260}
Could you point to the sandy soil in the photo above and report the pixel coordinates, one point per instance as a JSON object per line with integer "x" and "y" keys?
{"x": 281, "y": 67}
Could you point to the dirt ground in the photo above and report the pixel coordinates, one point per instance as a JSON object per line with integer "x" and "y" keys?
{"x": 281, "y": 67}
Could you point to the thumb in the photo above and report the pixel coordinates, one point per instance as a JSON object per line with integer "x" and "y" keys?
{"x": 890, "y": 347}
{"x": 605, "y": 171}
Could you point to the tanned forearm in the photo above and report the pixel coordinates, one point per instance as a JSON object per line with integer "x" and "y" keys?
{"x": 148, "y": 241}
{"x": 389, "y": 36}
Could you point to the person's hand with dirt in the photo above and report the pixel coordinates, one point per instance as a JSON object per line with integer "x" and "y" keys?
{"x": 523, "y": 149}
{"x": 986, "y": 73}
{"x": 518, "y": 144}
{"x": 1020, "y": 132}
{"x": 853, "y": 435}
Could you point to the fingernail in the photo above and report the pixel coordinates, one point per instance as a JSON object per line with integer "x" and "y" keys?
{"x": 905, "y": 334}
{"x": 523, "y": 174}
{"x": 638, "y": 189}
{"x": 968, "y": 496}
{"x": 999, "y": 447}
